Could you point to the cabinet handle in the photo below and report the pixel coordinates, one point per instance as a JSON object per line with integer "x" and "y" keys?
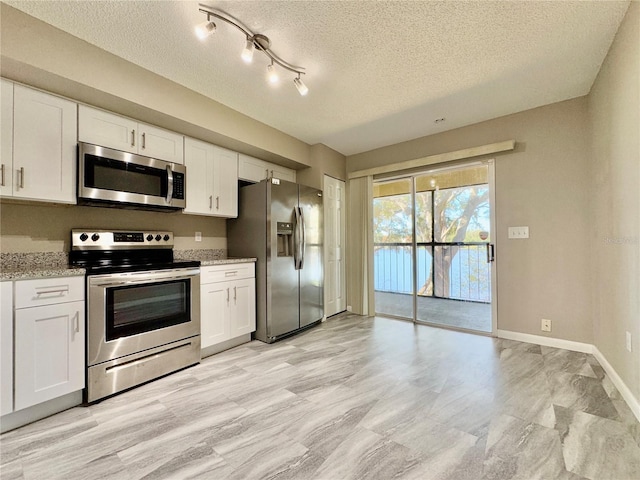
{"x": 266, "y": 174}
{"x": 21, "y": 183}
{"x": 210, "y": 202}
{"x": 271, "y": 173}
{"x": 234, "y": 295}
{"x": 133, "y": 138}
{"x": 217, "y": 203}
{"x": 231, "y": 273}
{"x": 61, "y": 291}
{"x": 2, "y": 169}
{"x": 77, "y": 322}
{"x": 144, "y": 140}
{"x": 227, "y": 295}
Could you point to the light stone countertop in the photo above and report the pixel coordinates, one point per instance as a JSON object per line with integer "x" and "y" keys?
{"x": 31, "y": 272}
{"x": 25, "y": 266}
{"x": 225, "y": 261}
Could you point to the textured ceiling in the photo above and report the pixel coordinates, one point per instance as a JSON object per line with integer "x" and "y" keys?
{"x": 378, "y": 72}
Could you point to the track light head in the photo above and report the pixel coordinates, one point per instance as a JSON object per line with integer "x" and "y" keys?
{"x": 302, "y": 88}
{"x": 205, "y": 29}
{"x": 247, "y": 53}
{"x": 272, "y": 74}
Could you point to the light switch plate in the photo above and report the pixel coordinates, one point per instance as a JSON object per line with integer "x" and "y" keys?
{"x": 518, "y": 232}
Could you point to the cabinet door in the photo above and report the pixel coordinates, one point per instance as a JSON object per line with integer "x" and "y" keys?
{"x": 242, "y": 316}
{"x": 198, "y": 158}
{"x": 6, "y": 348}
{"x": 214, "y": 313}
{"x": 107, "y": 130}
{"x": 161, "y": 144}
{"x": 252, "y": 169}
{"x": 49, "y": 352}
{"x": 225, "y": 183}
{"x": 44, "y": 146}
{"x": 6, "y": 141}
{"x": 283, "y": 173}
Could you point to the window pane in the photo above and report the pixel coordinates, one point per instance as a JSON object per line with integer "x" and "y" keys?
{"x": 462, "y": 214}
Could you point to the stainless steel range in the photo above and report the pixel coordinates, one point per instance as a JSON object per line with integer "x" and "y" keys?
{"x": 143, "y": 308}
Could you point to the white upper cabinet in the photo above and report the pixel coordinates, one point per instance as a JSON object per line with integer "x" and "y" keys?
{"x": 212, "y": 179}
{"x": 225, "y": 182}
{"x": 121, "y": 133}
{"x": 254, "y": 170}
{"x": 44, "y": 146}
{"x": 6, "y": 141}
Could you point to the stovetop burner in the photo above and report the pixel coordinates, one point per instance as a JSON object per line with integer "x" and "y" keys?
{"x": 115, "y": 251}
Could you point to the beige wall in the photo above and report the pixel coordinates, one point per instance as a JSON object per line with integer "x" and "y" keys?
{"x": 322, "y": 160}
{"x": 37, "y": 227}
{"x": 543, "y": 184}
{"x": 614, "y": 109}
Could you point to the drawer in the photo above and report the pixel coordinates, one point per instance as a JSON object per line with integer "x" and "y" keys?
{"x": 48, "y": 291}
{"x": 230, "y": 271}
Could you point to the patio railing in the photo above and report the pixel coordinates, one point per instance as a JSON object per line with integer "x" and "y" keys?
{"x": 461, "y": 270}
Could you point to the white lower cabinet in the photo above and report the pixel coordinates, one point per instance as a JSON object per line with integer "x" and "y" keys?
{"x": 6, "y": 347}
{"x": 49, "y": 339}
{"x": 228, "y": 302}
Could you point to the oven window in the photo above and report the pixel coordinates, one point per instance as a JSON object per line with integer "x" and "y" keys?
{"x": 108, "y": 174}
{"x": 136, "y": 309}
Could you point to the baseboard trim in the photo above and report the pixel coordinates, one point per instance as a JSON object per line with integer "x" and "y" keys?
{"x": 627, "y": 395}
{"x": 546, "y": 341}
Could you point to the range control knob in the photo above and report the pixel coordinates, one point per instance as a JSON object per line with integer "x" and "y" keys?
{"x": 83, "y": 237}
{"x": 166, "y": 238}
{"x": 149, "y": 237}
{"x": 158, "y": 237}
{"x": 95, "y": 237}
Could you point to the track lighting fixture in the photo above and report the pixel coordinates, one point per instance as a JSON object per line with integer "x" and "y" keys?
{"x": 254, "y": 41}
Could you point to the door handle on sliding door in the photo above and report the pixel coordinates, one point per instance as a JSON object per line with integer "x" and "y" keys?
{"x": 491, "y": 254}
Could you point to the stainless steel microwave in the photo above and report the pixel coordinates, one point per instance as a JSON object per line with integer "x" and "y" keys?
{"x": 113, "y": 178}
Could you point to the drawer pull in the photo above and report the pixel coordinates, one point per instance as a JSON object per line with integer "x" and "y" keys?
{"x": 231, "y": 274}
{"x": 61, "y": 291}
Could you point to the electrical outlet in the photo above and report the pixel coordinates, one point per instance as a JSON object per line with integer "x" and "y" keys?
{"x": 629, "y": 341}
{"x": 198, "y": 236}
{"x": 546, "y": 325}
{"x": 518, "y": 232}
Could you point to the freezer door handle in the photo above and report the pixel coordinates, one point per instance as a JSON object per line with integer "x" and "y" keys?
{"x": 302, "y": 238}
{"x": 297, "y": 252}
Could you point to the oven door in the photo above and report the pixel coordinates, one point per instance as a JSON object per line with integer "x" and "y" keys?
{"x": 131, "y": 312}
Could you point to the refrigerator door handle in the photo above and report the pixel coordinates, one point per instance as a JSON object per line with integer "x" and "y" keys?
{"x": 303, "y": 241}
{"x": 296, "y": 240}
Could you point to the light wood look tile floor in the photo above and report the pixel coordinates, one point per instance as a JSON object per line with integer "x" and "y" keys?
{"x": 353, "y": 398}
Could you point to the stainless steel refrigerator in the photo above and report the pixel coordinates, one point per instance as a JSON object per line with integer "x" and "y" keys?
{"x": 280, "y": 224}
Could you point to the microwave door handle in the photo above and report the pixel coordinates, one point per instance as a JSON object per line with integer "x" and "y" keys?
{"x": 169, "y": 184}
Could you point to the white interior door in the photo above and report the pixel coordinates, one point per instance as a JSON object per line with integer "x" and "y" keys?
{"x": 334, "y": 213}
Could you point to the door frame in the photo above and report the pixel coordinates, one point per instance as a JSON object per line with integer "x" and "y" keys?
{"x": 341, "y": 271}
{"x": 490, "y": 163}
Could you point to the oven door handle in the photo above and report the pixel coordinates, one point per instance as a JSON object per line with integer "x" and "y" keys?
{"x": 150, "y": 279}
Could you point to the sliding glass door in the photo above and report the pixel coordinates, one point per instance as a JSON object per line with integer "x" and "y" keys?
{"x": 441, "y": 223}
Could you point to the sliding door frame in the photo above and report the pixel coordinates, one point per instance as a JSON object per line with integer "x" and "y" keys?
{"x": 490, "y": 164}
